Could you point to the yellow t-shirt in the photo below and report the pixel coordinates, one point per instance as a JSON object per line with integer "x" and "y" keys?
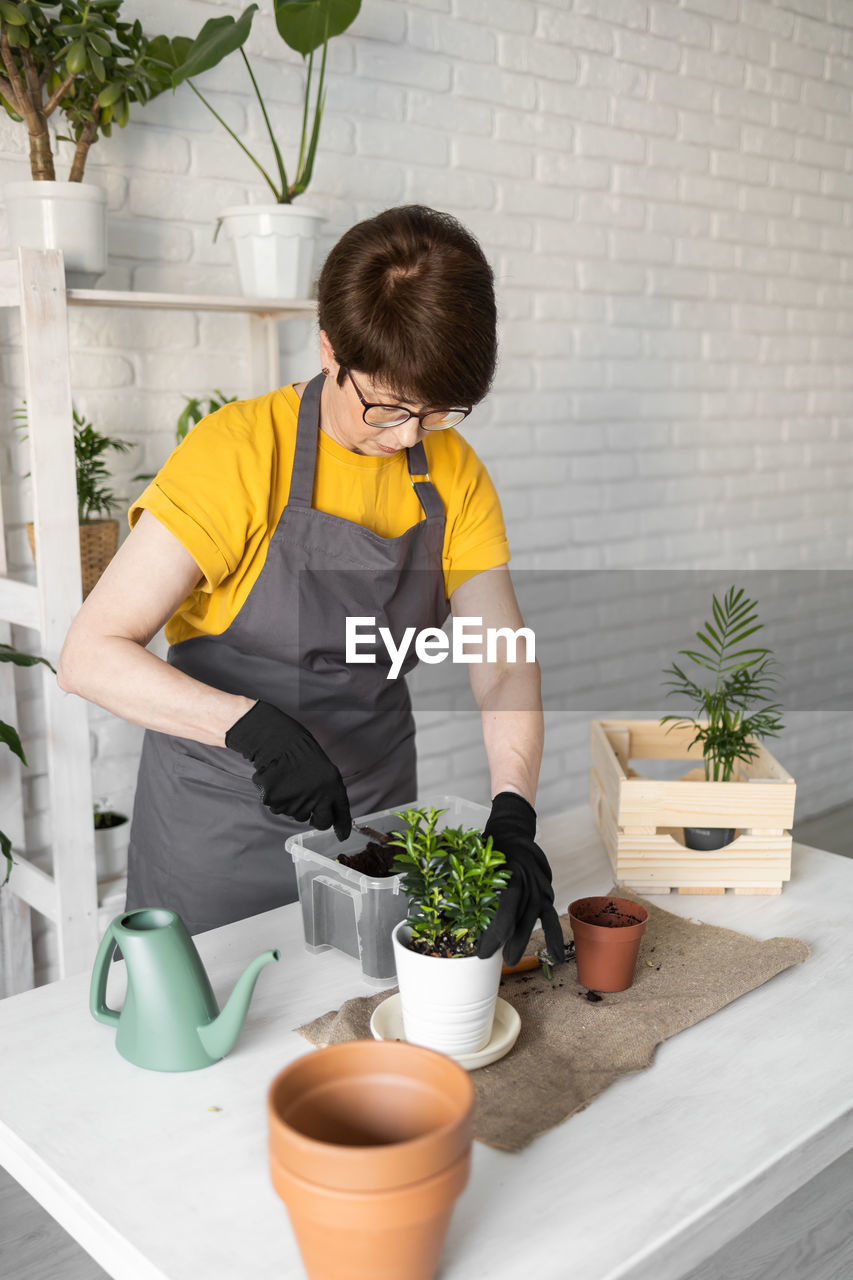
{"x": 222, "y": 492}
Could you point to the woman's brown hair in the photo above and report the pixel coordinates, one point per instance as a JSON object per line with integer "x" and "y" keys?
{"x": 408, "y": 298}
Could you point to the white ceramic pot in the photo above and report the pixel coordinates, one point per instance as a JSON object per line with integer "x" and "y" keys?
{"x": 274, "y": 248}
{"x": 447, "y": 1004}
{"x": 71, "y": 216}
{"x": 111, "y": 849}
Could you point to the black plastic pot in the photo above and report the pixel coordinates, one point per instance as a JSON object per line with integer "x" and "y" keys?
{"x": 708, "y": 837}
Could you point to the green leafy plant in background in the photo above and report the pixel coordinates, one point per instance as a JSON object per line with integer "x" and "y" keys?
{"x": 452, "y": 879}
{"x": 737, "y": 709}
{"x": 78, "y": 58}
{"x": 94, "y": 500}
{"x": 9, "y": 735}
{"x": 104, "y": 816}
{"x": 305, "y": 26}
{"x": 190, "y": 416}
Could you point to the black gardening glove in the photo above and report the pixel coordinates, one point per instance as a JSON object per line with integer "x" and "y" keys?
{"x": 528, "y": 897}
{"x": 292, "y": 771}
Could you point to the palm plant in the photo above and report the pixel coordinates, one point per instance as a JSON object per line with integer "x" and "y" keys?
{"x": 738, "y": 709}
{"x": 94, "y": 499}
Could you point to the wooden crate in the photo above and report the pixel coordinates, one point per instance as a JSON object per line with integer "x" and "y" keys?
{"x": 641, "y": 820}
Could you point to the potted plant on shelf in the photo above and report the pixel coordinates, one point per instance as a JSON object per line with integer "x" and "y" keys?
{"x": 452, "y": 879}
{"x": 9, "y": 735}
{"x": 95, "y": 501}
{"x": 737, "y": 709}
{"x": 82, "y": 62}
{"x": 111, "y": 836}
{"x": 273, "y": 243}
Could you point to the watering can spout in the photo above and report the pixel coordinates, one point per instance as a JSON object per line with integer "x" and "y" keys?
{"x": 218, "y": 1037}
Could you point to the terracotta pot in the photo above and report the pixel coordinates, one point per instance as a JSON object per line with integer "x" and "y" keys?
{"x": 369, "y": 1147}
{"x": 607, "y": 933}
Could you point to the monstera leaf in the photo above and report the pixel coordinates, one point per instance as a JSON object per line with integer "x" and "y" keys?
{"x": 305, "y": 25}
{"x": 217, "y": 38}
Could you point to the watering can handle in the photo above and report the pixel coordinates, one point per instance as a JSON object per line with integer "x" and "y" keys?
{"x": 98, "y": 988}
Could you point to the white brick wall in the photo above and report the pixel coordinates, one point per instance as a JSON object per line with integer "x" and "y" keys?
{"x": 664, "y": 191}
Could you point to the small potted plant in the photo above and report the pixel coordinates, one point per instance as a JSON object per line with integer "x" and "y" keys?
{"x": 84, "y": 63}
{"x": 9, "y": 735}
{"x": 737, "y": 708}
{"x": 273, "y": 243}
{"x": 95, "y": 500}
{"x": 111, "y": 837}
{"x": 452, "y": 879}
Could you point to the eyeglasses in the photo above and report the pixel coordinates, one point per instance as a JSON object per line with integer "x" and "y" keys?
{"x": 395, "y": 415}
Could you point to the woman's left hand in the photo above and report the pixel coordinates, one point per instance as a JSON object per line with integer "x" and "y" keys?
{"x": 529, "y": 896}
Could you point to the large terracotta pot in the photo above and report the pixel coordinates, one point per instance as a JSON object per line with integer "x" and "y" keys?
{"x": 607, "y": 934}
{"x": 369, "y": 1147}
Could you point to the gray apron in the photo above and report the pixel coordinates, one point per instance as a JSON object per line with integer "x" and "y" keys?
{"x": 201, "y": 841}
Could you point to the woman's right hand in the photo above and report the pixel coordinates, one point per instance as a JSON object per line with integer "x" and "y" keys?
{"x": 292, "y": 771}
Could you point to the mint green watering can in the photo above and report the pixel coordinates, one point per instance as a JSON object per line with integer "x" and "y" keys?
{"x": 170, "y": 1020}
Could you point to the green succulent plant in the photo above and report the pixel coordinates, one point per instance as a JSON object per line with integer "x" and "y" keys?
{"x": 452, "y": 879}
{"x": 78, "y": 59}
{"x": 737, "y": 709}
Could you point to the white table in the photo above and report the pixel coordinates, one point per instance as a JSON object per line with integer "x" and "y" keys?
{"x": 659, "y": 1172}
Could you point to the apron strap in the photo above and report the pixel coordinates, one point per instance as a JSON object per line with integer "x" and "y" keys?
{"x": 305, "y": 458}
{"x": 425, "y": 491}
{"x": 305, "y": 453}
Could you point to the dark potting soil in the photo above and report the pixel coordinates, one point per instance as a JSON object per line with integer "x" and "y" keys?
{"x": 610, "y": 917}
{"x": 376, "y": 859}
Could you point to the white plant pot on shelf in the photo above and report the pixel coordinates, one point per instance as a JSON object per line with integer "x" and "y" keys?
{"x": 274, "y": 248}
{"x": 447, "y": 1004}
{"x": 111, "y": 850}
{"x": 70, "y": 216}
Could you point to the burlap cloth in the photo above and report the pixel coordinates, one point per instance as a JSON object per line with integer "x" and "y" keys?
{"x": 569, "y": 1050}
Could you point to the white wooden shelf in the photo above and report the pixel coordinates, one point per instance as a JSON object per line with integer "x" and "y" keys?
{"x": 34, "y": 282}
{"x": 291, "y": 310}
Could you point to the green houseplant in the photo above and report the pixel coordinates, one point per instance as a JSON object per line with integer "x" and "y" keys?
{"x": 452, "y": 878}
{"x": 111, "y": 838}
{"x": 735, "y": 708}
{"x": 95, "y": 499}
{"x": 82, "y": 62}
{"x": 273, "y": 243}
{"x": 9, "y": 735}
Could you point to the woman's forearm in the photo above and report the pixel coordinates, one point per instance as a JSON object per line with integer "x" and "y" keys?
{"x": 121, "y": 676}
{"x": 514, "y": 731}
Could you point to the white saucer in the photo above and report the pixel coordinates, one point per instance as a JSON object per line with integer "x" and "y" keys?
{"x": 387, "y": 1024}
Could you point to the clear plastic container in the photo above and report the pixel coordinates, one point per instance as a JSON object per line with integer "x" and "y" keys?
{"x": 353, "y": 912}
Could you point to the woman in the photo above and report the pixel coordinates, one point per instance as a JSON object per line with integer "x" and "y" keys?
{"x": 277, "y": 519}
